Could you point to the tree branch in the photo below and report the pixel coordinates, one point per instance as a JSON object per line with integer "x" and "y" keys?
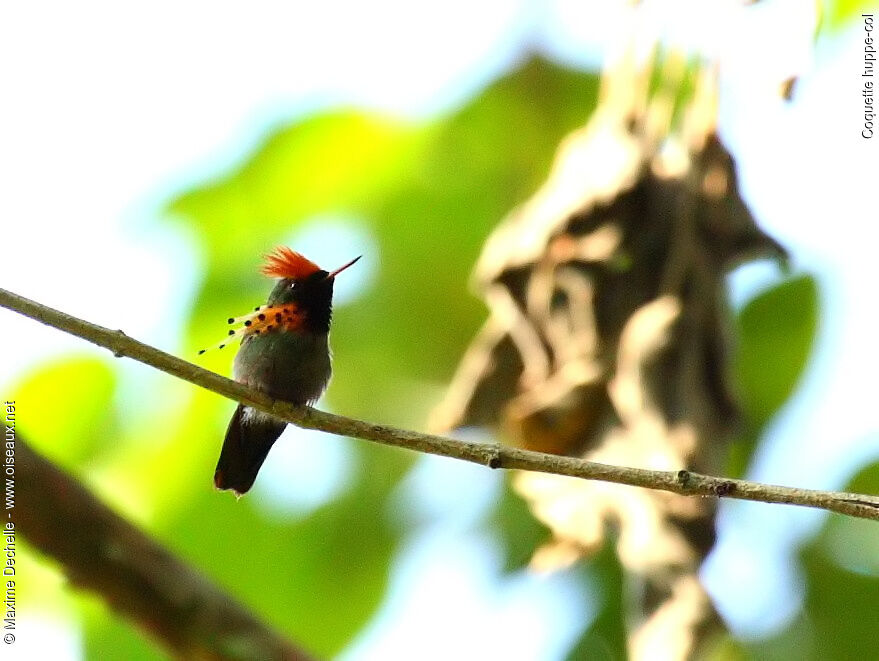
{"x": 493, "y": 456}
{"x": 101, "y": 551}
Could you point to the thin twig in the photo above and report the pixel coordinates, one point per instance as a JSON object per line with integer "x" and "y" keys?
{"x": 493, "y": 456}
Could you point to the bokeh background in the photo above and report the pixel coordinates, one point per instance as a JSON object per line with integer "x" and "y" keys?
{"x": 150, "y": 157}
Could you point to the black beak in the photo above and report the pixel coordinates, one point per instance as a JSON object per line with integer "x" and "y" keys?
{"x": 342, "y": 268}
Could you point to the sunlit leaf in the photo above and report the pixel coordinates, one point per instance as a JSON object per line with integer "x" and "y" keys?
{"x": 841, "y": 571}
{"x": 520, "y": 532}
{"x": 839, "y": 14}
{"x": 776, "y": 331}
{"x": 854, "y": 543}
{"x": 604, "y": 639}
{"x": 65, "y": 408}
{"x": 318, "y": 579}
{"x": 109, "y": 637}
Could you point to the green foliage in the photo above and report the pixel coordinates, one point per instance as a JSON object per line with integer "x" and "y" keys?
{"x": 839, "y": 14}
{"x": 604, "y": 639}
{"x": 775, "y": 333}
{"x": 70, "y": 412}
{"x": 841, "y": 576}
{"x": 319, "y": 578}
{"x": 520, "y": 533}
{"x": 111, "y": 638}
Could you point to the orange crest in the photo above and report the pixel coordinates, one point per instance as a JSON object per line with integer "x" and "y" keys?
{"x": 285, "y": 263}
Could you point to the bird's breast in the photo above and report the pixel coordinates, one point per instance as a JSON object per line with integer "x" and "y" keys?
{"x": 287, "y": 364}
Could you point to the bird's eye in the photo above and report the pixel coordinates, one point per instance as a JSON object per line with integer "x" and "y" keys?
{"x": 294, "y": 285}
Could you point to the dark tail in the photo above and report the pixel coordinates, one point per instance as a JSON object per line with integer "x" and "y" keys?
{"x": 248, "y": 441}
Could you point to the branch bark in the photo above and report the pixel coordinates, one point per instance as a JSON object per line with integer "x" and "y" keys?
{"x": 493, "y": 456}
{"x": 138, "y": 577}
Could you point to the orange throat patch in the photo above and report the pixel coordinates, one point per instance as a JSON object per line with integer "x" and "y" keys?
{"x": 264, "y": 319}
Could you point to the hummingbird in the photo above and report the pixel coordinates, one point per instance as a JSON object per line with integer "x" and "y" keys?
{"x": 284, "y": 353}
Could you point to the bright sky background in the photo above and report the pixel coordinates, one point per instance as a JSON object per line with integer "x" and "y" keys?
{"x": 109, "y": 111}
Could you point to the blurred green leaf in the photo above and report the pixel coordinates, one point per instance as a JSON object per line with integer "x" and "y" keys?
{"x": 519, "y": 531}
{"x": 65, "y": 408}
{"x": 723, "y": 648}
{"x": 841, "y": 609}
{"x": 854, "y": 543}
{"x": 334, "y": 160}
{"x": 776, "y": 331}
{"x": 838, "y": 14}
{"x": 841, "y": 568}
{"x": 476, "y": 166}
{"x": 604, "y": 639}
{"x": 111, "y": 638}
{"x": 318, "y": 579}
